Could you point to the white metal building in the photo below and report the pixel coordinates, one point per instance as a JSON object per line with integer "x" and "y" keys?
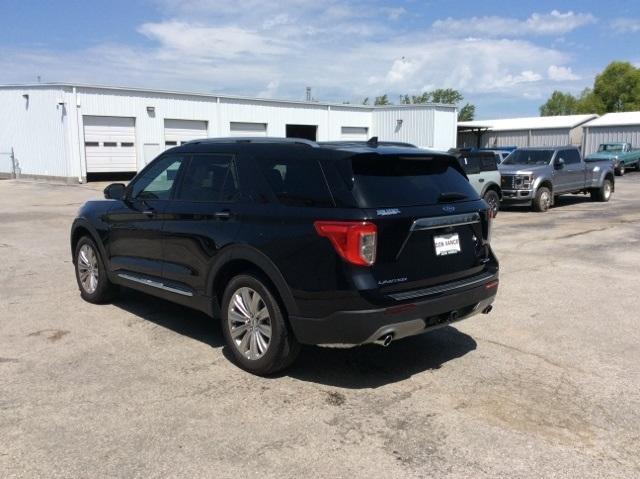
{"x": 67, "y": 131}
{"x": 611, "y": 128}
{"x": 534, "y": 131}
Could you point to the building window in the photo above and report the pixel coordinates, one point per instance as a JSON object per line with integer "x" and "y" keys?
{"x": 91, "y": 143}
{"x": 111, "y": 144}
{"x": 126, "y": 144}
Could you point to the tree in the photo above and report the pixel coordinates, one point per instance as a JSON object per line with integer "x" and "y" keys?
{"x": 617, "y": 88}
{"x": 589, "y": 102}
{"x": 382, "y": 100}
{"x": 446, "y": 95}
{"x": 559, "y": 104}
{"x": 467, "y": 112}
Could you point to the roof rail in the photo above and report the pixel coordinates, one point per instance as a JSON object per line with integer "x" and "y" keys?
{"x": 255, "y": 139}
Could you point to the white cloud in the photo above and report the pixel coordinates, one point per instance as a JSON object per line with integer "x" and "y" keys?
{"x": 553, "y": 23}
{"x": 395, "y": 13}
{"x": 557, "y": 73}
{"x": 626, "y": 25}
{"x": 195, "y": 40}
{"x": 344, "y": 50}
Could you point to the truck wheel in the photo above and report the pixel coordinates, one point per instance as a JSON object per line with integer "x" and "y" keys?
{"x": 542, "y": 201}
{"x": 603, "y": 193}
{"x": 621, "y": 170}
{"x": 255, "y": 328}
{"x": 638, "y": 166}
{"x": 493, "y": 200}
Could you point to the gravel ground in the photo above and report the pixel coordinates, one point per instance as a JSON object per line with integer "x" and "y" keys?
{"x": 547, "y": 385}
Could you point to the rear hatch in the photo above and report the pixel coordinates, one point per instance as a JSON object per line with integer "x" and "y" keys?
{"x": 432, "y": 227}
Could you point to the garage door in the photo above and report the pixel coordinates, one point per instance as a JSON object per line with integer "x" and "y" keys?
{"x": 248, "y": 129}
{"x": 177, "y": 132}
{"x": 354, "y": 133}
{"x": 109, "y": 143}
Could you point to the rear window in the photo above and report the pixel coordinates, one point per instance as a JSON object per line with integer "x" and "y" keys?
{"x": 393, "y": 181}
{"x": 296, "y": 181}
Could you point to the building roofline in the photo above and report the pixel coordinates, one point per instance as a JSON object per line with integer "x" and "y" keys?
{"x": 215, "y": 95}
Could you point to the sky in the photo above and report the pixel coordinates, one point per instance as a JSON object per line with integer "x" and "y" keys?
{"x": 505, "y": 57}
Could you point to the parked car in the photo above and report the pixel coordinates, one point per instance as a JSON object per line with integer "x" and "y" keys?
{"x": 622, "y": 155}
{"x": 500, "y": 152}
{"x": 290, "y": 242}
{"x": 481, "y": 168}
{"x": 536, "y": 176}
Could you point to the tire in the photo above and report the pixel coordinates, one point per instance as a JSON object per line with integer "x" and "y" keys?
{"x": 493, "y": 200}
{"x": 543, "y": 199}
{"x": 91, "y": 273}
{"x": 248, "y": 321}
{"x": 638, "y": 166}
{"x": 602, "y": 194}
{"x": 621, "y": 170}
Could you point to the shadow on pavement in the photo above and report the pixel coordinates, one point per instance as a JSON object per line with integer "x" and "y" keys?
{"x": 180, "y": 319}
{"x": 368, "y": 366}
{"x": 373, "y": 366}
{"x": 560, "y": 202}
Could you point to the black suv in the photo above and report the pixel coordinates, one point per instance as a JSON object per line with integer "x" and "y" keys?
{"x": 294, "y": 242}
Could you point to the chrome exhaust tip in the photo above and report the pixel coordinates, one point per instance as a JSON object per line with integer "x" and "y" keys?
{"x": 385, "y": 340}
{"x": 487, "y": 310}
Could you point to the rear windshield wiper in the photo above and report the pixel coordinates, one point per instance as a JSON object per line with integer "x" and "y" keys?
{"x": 451, "y": 196}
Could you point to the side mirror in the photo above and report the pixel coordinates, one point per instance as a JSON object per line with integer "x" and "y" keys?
{"x": 115, "y": 191}
{"x": 559, "y": 164}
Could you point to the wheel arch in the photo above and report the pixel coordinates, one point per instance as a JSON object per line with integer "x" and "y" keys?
{"x": 546, "y": 182}
{"x": 492, "y": 186}
{"x": 611, "y": 177}
{"x": 243, "y": 258}
{"x": 80, "y": 228}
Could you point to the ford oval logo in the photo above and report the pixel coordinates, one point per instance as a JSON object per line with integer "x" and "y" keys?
{"x": 448, "y": 209}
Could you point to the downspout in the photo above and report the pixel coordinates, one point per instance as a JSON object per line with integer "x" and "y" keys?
{"x": 218, "y": 128}
{"x": 80, "y": 142}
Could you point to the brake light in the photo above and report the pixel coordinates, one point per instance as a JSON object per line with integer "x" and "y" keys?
{"x": 490, "y": 216}
{"x": 354, "y": 241}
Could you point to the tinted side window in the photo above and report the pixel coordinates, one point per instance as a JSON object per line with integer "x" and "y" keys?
{"x": 157, "y": 180}
{"x": 470, "y": 164}
{"x": 571, "y": 156}
{"x": 489, "y": 162}
{"x": 296, "y": 181}
{"x": 209, "y": 178}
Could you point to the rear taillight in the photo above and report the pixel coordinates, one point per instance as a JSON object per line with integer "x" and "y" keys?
{"x": 490, "y": 216}
{"x": 354, "y": 241}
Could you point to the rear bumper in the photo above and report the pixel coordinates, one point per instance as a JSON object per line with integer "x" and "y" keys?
{"x": 406, "y": 318}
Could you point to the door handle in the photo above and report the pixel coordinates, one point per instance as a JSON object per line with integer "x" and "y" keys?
{"x": 222, "y": 215}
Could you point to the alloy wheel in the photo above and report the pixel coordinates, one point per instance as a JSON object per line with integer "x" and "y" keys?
{"x": 545, "y": 199}
{"x": 88, "y": 268}
{"x": 249, "y": 323}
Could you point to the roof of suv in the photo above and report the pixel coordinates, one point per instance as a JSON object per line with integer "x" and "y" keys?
{"x": 355, "y": 147}
{"x": 565, "y": 147}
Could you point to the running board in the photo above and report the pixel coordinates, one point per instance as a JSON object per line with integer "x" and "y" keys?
{"x": 155, "y": 284}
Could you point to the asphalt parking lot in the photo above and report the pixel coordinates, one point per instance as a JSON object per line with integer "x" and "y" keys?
{"x": 547, "y": 385}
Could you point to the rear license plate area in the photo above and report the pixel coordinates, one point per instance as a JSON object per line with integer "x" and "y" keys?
{"x": 447, "y": 244}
